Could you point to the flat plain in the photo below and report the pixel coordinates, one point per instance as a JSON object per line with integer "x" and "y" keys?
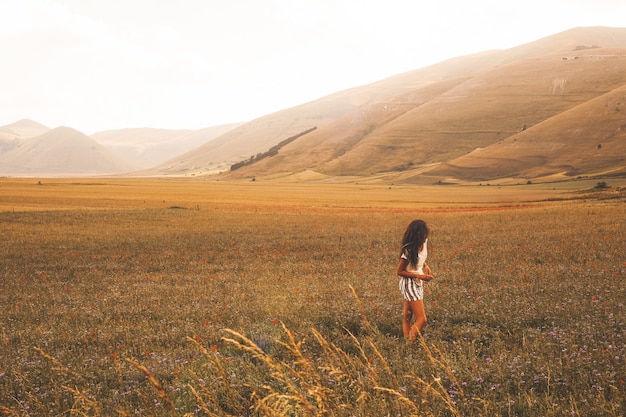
{"x": 192, "y": 297}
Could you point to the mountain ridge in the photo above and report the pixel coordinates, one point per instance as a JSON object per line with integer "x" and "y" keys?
{"x": 527, "y": 113}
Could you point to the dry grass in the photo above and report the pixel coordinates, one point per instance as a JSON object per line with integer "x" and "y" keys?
{"x": 121, "y": 194}
{"x": 115, "y": 302}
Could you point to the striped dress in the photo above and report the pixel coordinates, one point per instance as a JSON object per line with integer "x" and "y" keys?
{"x": 412, "y": 289}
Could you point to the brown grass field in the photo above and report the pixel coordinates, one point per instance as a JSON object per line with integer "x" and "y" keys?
{"x": 192, "y": 297}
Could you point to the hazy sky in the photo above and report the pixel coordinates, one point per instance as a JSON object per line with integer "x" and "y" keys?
{"x": 187, "y": 64}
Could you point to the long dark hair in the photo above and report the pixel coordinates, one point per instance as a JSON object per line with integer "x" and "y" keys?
{"x": 414, "y": 237}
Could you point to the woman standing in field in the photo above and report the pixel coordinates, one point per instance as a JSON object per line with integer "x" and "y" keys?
{"x": 413, "y": 272}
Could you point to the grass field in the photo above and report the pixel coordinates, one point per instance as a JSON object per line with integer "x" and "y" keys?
{"x": 171, "y": 297}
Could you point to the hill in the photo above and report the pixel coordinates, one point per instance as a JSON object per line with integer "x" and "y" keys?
{"x": 586, "y": 140}
{"x": 149, "y": 147}
{"x": 259, "y": 135}
{"x": 12, "y": 134}
{"x": 61, "y": 152}
{"x": 22, "y": 129}
{"x": 451, "y": 119}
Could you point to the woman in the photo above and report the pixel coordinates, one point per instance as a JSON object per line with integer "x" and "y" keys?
{"x": 413, "y": 272}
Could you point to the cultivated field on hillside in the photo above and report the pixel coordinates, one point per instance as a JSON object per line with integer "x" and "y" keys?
{"x": 130, "y": 297}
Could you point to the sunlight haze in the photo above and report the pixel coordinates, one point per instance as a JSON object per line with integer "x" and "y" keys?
{"x": 188, "y": 64}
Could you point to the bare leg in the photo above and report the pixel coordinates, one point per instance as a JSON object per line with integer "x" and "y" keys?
{"x": 417, "y": 307}
{"x": 407, "y": 316}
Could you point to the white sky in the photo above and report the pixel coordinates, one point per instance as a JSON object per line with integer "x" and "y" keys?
{"x": 187, "y": 64}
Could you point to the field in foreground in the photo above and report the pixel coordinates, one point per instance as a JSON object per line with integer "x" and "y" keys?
{"x": 183, "y": 298}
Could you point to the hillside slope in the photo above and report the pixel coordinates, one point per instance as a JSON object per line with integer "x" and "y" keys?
{"x": 261, "y": 134}
{"x": 426, "y": 130}
{"x": 562, "y": 146}
{"x": 486, "y": 109}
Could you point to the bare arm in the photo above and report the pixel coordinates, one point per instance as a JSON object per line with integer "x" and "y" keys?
{"x": 402, "y": 271}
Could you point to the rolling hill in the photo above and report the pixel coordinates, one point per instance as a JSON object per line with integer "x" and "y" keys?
{"x": 586, "y": 140}
{"x": 531, "y": 112}
{"x": 259, "y": 135}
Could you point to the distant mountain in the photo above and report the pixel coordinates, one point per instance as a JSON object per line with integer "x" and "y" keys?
{"x": 11, "y": 135}
{"x": 554, "y": 108}
{"x": 61, "y": 152}
{"x": 149, "y": 147}
{"x": 22, "y": 129}
{"x": 28, "y": 148}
